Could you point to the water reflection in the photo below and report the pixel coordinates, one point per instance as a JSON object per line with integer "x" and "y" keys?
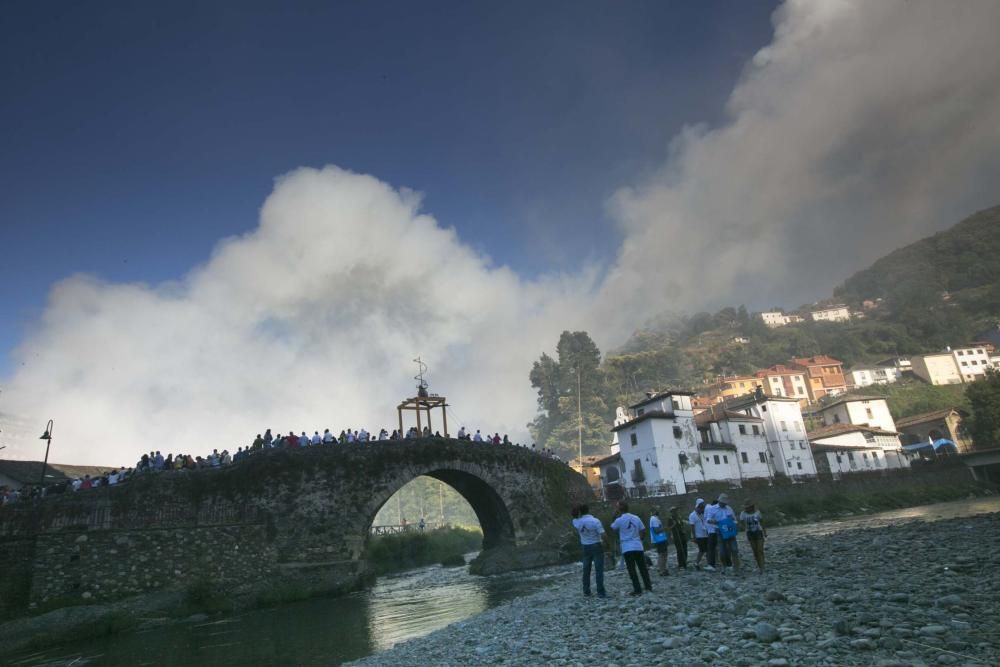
{"x": 326, "y": 631}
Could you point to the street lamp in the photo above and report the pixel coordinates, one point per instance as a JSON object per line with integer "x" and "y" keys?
{"x": 47, "y": 437}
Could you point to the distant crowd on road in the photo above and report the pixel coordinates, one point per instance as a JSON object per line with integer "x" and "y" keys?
{"x": 713, "y": 527}
{"x": 155, "y": 462}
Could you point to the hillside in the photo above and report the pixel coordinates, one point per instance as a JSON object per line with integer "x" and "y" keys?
{"x": 942, "y": 290}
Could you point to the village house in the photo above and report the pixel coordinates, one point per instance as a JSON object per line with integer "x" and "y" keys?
{"x": 728, "y": 387}
{"x": 824, "y": 375}
{"x": 840, "y": 449}
{"x": 937, "y": 368}
{"x": 787, "y": 445}
{"x": 733, "y": 446}
{"x": 655, "y": 447}
{"x": 781, "y": 380}
{"x": 776, "y": 318}
{"x": 924, "y": 430}
{"x": 866, "y": 376}
{"x": 857, "y": 410}
{"x": 837, "y": 313}
{"x": 972, "y": 361}
{"x": 588, "y": 468}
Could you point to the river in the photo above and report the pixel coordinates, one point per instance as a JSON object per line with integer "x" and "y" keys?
{"x": 329, "y": 631}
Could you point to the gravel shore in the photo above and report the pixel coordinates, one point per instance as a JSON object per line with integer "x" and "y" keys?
{"x": 910, "y": 594}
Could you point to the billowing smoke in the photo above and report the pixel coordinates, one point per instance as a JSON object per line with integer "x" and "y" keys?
{"x": 862, "y": 126}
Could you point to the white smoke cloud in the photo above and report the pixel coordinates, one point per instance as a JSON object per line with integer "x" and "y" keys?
{"x": 862, "y": 126}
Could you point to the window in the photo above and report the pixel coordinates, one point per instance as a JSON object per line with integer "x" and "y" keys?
{"x": 875, "y": 455}
{"x": 850, "y": 456}
{"x": 801, "y": 391}
{"x": 965, "y": 363}
{"x": 682, "y": 458}
{"x": 864, "y": 455}
{"x": 746, "y": 459}
{"x": 871, "y": 415}
{"x": 725, "y": 459}
{"x": 763, "y": 408}
{"x": 799, "y": 465}
{"x": 756, "y": 429}
{"x": 763, "y": 457}
{"x": 716, "y": 458}
{"x": 802, "y": 444}
{"x": 743, "y": 429}
{"x": 789, "y": 464}
{"x": 705, "y": 436}
{"x": 839, "y": 460}
{"x": 675, "y": 403}
{"x": 634, "y": 439}
{"x": 784, "y": 426}
{"x": 961, "y": 352}
{"x": 640, "y": 412}
{"x": 678, "y": 432}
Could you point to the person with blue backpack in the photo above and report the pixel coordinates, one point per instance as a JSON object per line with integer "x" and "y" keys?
{"x": 725, "y": 521}
{"x": 660, "y": 539}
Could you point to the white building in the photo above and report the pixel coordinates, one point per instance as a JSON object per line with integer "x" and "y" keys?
{"x": 657, "y": 447}
{"x": 858, "y": 411}
{"x": 865, "y": 376}
{"x": 936, "y": 368}
{"x": 848, "y": 448}
{"x": 774, "y": 318}
{"x": 733, "y": 446}
{"x": 972, "y": 362}
{"x": 787, "y": 444}
{"x": 838, "y": 313}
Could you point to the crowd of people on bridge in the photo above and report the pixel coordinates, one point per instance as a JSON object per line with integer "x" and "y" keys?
{"x": 713, "y": 527}
{"x": 156, "y": 462}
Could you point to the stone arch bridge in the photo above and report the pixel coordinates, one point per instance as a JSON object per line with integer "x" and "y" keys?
{"x": 280, "y": 524}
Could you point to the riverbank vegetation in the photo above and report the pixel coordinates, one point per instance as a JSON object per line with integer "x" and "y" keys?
{"x": 405, "y": 551}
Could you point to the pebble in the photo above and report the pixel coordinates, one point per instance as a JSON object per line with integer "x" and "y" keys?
{"x": 826, "y": 600}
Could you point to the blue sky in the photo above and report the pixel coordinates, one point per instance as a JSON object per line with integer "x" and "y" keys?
{"x": 138, "y": 134}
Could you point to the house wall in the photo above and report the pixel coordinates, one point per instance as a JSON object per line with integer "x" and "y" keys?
{"x": 751, "y": 445}
{"x": 971, "y": 362}
{"x": 872, "y": 412}
{"x": 863, "y": 456}
{"x": 936, "y": 368}
{"x": 787, "y": 445}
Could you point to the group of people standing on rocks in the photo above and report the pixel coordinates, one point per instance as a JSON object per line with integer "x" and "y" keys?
{"x": 714, "y": 528}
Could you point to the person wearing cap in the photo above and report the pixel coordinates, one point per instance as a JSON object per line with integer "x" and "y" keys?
{"x": 699, "y": 531}
{"x": 678, "y": 534}
{"x": 727, "y": 530}
{"x": 659, "y": 536}
{"x": 750, "y": 521}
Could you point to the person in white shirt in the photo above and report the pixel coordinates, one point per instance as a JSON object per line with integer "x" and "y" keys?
{"x": 478, "y": 437}
{"x": 350, "y": 436}
{"x": 112, "y": 478}
{"x": 363, "y": 435}
{"x": 699, "y": 530}
{"x": 327, "y": 436}
{"x": 591, "y": 539}
{"x": 461, "y": 433}
{"x": 713, "y": 533}
{"x": 316, "y": 439}
{"x": 630, "y": 528}
{"x": 303, "y": 440}
{"x": 658, "y": 536}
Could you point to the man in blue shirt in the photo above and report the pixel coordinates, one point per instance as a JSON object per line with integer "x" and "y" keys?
{"x": 591, "y": 539}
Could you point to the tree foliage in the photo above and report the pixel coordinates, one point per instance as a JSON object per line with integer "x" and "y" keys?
{"x": 984, "y": 401}
{"x": 571, "y": 398}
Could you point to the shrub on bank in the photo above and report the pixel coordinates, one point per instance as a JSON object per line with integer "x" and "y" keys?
{"x": 395, "y": 553}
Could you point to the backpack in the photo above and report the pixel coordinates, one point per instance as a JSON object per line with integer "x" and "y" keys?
{"x": 727, "y": 528}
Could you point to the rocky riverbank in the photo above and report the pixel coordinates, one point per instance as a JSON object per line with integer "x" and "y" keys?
{"x": 914, "y": 593}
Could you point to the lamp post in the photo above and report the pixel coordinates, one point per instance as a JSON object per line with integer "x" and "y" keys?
{"x": 47, "y": 437}
{"x": 579, "y": 421}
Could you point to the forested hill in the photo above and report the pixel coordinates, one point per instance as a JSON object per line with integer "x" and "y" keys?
{"x": 942, "y": 290}
{"x": 963, "y": 261}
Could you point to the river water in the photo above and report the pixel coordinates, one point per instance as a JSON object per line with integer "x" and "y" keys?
{"x": 329, "y": 631}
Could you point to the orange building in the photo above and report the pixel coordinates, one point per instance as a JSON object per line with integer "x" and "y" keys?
{"x": 727, "y": 387}
{"x": 824, "y": 375}
{"x": 781, "y": 380}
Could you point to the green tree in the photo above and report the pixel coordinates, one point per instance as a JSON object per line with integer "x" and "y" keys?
{"x": 984, "y": 399}
{"x": 571, "y": 397}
